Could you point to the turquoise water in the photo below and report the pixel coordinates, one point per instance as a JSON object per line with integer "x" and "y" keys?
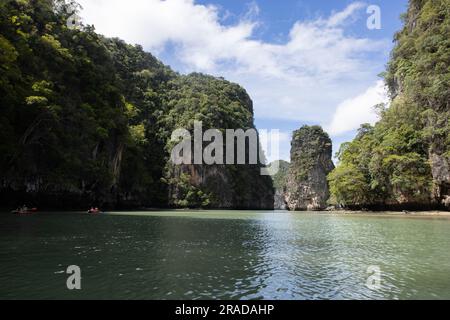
{"x": 223, "y": 255}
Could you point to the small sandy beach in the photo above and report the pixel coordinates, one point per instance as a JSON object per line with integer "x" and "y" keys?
{"x": 406, "y": 214}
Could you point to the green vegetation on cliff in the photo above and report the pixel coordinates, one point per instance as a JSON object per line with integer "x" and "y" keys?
{"x": 403, "y": 161}
{"x": 308, "y": 143}
{"x": 306, "y": 181}
{"x": 279, "y": 179}
{"x": 87, "y": 119}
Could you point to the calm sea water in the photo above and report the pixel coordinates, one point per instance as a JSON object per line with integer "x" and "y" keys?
{"x": 223, "y": 255}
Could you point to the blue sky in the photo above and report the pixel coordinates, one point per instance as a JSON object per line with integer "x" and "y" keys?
{"x": 302, "y": 62}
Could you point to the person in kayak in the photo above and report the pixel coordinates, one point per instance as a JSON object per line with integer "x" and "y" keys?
{"x": 24, "y": 210}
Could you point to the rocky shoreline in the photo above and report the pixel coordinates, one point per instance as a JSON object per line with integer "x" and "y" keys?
{"x": 431, "y": 213}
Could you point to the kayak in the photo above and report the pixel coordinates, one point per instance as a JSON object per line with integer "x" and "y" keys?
{"x": 32, "y": 211}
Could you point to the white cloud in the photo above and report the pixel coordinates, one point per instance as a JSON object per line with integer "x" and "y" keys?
{"x": 195, "y": 29}
{"x": 303, "y": 79}
{"x": 351, "y": 113}
{"x": 341, "y": 16}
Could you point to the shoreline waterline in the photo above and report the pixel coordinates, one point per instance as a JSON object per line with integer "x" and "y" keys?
{"x": 164, "y": 211}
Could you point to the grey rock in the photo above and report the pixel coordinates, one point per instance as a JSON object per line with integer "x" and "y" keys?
{"x": 440, "y": 169}
{"x": 307, "y": 185}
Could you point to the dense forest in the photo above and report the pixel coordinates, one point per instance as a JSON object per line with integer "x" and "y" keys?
{"x": 404, "y": 160}
{"x": 87, "y": 120}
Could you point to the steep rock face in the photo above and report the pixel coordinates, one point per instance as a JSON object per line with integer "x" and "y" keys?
{"x": 427, "y": 86}
{"x": 279, "y": 202}
{"x": 220, "y": 105}
{"x": 87, "y": 120}
{"x": 220, "y": 187}
{"x": 440, "y": 169}
{"x": 306, "y": 184}
{"x": 402, "y": 162}
{"x": 38, "y": 188}
{"x": 439, "y": 155}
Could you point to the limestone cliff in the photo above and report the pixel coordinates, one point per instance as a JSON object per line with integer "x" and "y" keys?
{"x": 440, "y": 168}
{"x": 306, "y": 183}
{"x": 220, "y": 187}
{"x": 87, "y": 121}
{"x": 223, "y": 105}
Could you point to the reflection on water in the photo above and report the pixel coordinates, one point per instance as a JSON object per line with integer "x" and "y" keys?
{"x": 223, "y": 255}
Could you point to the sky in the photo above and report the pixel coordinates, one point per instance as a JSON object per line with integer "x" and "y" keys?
{"x": 302, "y": 62}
